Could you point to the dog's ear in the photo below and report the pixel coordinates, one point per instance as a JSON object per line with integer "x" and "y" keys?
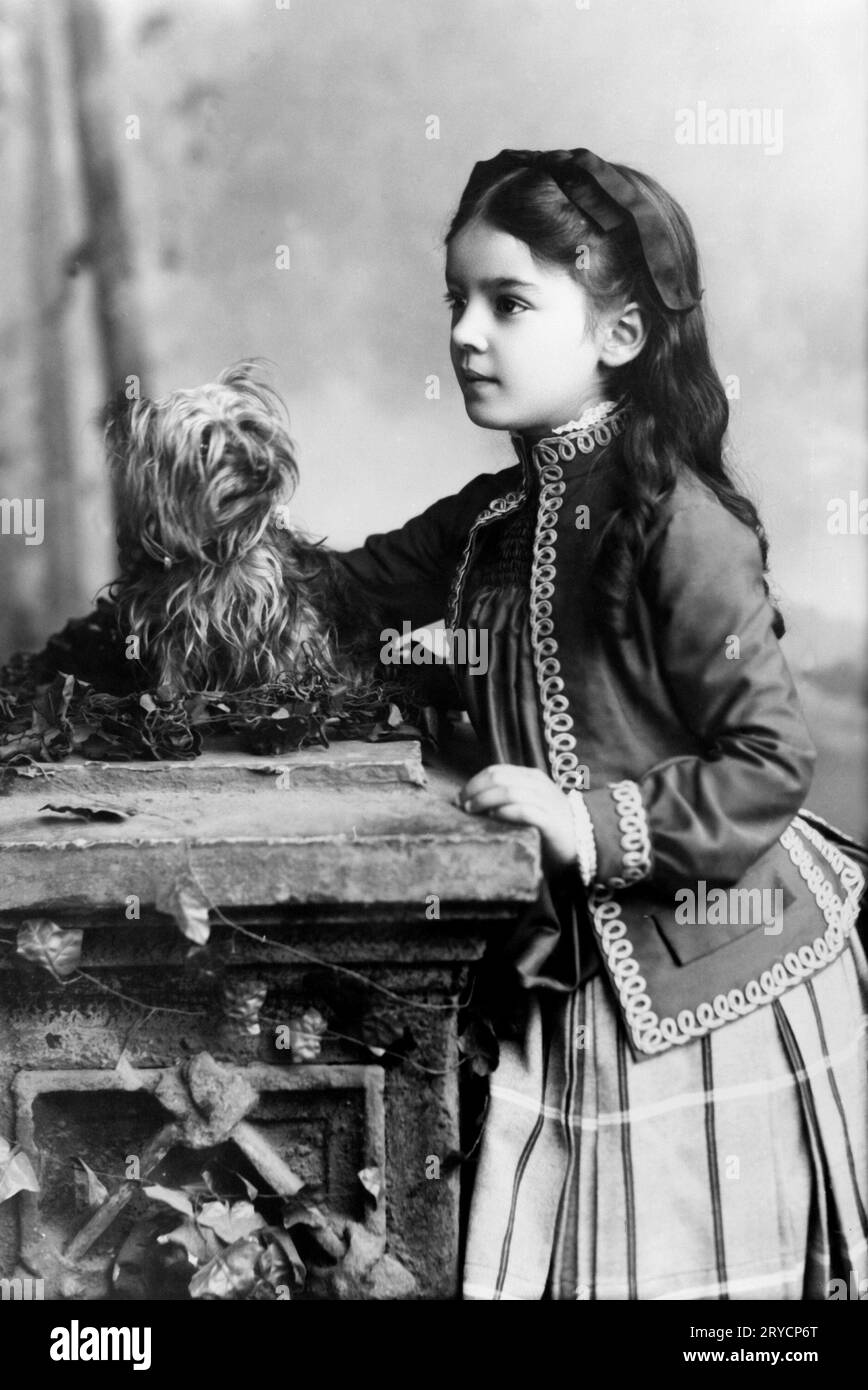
{"x": 249, "y": 378}
{"x": 249, "y": 374}
{"x": 117, "y": 419}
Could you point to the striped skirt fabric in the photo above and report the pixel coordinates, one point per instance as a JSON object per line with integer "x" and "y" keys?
{"x": 735, "y": 1167}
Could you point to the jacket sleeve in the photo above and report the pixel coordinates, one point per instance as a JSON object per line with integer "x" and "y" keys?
{"x": 408, "y": 572}
{"x": 713, "y": 814}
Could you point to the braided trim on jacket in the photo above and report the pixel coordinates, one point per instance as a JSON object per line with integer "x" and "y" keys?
{"x": 497, "y": 507}
{"x": 556, "y": 718}
{"x": 652, "y": 1034}
{"x": 635, "y": 837}
{"x": 557, "y": 721}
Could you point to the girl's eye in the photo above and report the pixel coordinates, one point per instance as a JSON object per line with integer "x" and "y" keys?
{"x": 509, "y": 306}
{"x": 505, "y": 304}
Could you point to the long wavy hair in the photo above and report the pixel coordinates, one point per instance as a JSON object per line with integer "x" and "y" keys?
{"x": 679, "y": 412}
{"x": 219, "y": 590}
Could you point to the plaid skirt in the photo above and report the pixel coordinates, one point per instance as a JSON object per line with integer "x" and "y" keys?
{"x": 735, "y": 1167}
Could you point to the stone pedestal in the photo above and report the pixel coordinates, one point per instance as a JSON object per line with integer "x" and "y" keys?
{"x": 343, "y": 897}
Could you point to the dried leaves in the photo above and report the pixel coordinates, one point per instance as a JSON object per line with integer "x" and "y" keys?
{"x": 47, "y": 713}
{"x": 154, "y": 726}
{"x": 36, "y": 726}
{"x": 95, "y": 811}
{"x": 229, "y": 1249}
{"x": 90, "y": 1192}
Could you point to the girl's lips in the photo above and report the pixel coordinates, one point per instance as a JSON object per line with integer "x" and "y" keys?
{"x": 477, "y": 379}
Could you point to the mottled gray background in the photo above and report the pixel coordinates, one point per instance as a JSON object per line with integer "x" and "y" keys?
{"x": 306, "y": 126}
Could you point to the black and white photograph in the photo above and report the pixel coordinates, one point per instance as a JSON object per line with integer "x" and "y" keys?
{"x": 433, "y": 704}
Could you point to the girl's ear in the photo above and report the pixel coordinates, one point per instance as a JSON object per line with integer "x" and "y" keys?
{"x": 624, "y": 337}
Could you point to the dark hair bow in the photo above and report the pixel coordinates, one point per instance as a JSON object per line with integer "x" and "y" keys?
{"x": 603, "y": 195}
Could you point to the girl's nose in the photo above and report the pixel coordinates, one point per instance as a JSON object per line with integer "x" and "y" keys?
{"x": 468, "y": 331}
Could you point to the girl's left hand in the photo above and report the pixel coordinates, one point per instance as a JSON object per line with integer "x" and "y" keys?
{"x": 526, "y": 796}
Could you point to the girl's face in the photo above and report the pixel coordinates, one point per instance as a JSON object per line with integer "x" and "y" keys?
{"x": 523, "y": 345}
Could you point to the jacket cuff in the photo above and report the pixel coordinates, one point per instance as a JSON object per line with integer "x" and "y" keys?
{"x": 621, "y": 835}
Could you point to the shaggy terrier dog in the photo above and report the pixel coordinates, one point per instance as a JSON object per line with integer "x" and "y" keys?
{"x": 218, "y": 590}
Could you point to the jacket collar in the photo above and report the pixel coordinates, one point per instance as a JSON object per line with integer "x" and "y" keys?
{"x": 575, "y": 444}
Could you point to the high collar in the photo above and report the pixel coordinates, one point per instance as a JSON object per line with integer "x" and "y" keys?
{"x": 570, "y": 449}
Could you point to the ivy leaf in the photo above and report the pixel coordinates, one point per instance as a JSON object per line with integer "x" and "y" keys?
{"x": 200, "y": 1245}
{"x": 251, "y": 1191}
{"x": 230, "y": 1223}
{"x": 305, "y": 1033}
{"x": 275, "y": 1271}
{"x": 183, "y": 901}
{"x": 90, "y": 1193}
{"x": 391, "y": 1052}
{"x": 130, "y": 1078}
{"x": 478, "y": 1043}
{"x": 319, "y": 1242}
{"x": 302, "y": 1209}
{"x": 231, "y": 1274}
{"x": 281, "y": 1254}
{"x": 51, "y": 705}
{"x": 372, "y": 1181}
{"x": 242, "y": 1003}
{"x": 16, "y": 1171}
{"x": 172, "y": 1197}
{"x": 45, "y": 943}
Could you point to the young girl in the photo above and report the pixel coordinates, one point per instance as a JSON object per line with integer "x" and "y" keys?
{"x": 682, "y": 1114}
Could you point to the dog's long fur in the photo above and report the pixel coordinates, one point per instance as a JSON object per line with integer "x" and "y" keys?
{"x": 219, "y": 591}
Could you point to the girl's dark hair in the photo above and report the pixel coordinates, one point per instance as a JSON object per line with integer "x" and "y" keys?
{"x": 680, "y": 410}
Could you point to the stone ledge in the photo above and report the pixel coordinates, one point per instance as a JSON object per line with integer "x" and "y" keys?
{"x": 223, "y": 769}
{"x": 245, "y": 840}
{"x": 471, "y": 868}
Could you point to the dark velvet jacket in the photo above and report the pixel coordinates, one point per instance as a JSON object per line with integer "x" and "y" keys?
{"x": 686, "y": 740}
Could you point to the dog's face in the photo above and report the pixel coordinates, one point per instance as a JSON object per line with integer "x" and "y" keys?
{"x": 199, "y": 474}
{"x": 212, "y": 583}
